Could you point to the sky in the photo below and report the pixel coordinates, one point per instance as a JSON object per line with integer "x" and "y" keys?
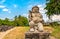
{"x": 11, "y": 8}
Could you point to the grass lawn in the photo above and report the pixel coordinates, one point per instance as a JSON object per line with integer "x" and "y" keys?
{"x": 19, "y": 32}
{"x": 56, "y": 32}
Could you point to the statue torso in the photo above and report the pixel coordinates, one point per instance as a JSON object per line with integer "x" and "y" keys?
{"x": 36, "y": 17}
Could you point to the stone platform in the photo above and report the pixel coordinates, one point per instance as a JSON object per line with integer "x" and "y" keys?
{"x": 37, "y": 35}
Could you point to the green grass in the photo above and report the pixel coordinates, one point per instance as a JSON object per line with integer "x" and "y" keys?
{"x": 56, "y": 32}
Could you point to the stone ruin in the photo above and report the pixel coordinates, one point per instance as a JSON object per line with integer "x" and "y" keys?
{"x": 36, "y": 25}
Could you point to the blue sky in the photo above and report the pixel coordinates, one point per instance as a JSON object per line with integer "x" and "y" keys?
{"x": 11, "y": 8}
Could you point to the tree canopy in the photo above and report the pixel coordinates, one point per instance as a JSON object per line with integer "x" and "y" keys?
{"x": 52, "y": 7}
{"x": 18, "y": 21}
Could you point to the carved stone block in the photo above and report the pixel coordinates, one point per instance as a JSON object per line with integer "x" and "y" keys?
{"x": 37, "y": 35}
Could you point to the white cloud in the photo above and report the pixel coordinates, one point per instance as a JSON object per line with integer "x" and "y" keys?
{"x": 9, "y": 11}
{"x": 26, "y": 15}
{"x": 5, "y": 9}
{"x": 43, "y": 11}
{"x": 55, "y": 17}
{"x": 41, "y": 7}
{"x": 45, "y": 17}
{"x": 1, "y": 6}
{"x": 15, "y": 5}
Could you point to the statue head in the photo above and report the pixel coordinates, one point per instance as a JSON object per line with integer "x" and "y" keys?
{"x": 35, "y": 9}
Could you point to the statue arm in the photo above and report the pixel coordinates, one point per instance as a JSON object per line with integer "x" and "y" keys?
{"x": 29, "y": 16}
{"x": 41, "y": 17}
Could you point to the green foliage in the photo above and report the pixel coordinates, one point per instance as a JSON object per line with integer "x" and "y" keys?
{"x": 0, "y": 22}
{"x": 54, "y": 24}
{"x": 21, "y": 21}
{"x": 53, "y": 7}
{"x": 18, "y": 21}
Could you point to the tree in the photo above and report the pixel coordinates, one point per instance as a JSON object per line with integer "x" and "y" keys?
{"x": 53, "y": 7}
{"x": 21, "y": 21}
{"x": 6, "y": 21}
{"x": 18, "y": 21}
{"x": 15, "y": 20}
{"x": 0, "y": 22}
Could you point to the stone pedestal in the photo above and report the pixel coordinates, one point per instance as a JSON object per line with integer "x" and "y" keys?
{"x": 37, "y": 35}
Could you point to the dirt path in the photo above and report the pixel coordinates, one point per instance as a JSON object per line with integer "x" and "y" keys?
{"x": 20, "y": 32}
{"x": 2, "y": 34}
{"x": 51, "y": 37}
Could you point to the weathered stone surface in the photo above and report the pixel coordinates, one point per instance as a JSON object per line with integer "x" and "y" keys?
{"x": 37, "y": 35}
{"x": 35, "y": 19}
{"x": 36, "y": 27}
{"x": 5, "y": 28}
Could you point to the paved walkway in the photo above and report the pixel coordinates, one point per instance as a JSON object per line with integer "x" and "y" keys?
{"x": 2, "y": 34}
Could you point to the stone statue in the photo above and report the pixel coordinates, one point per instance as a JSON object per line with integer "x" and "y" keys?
{"x": 35, "y": 19}
{"x": 36, "y": 25}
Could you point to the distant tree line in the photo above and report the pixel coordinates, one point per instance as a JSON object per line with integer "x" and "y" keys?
{"x": 18, "y": 21}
